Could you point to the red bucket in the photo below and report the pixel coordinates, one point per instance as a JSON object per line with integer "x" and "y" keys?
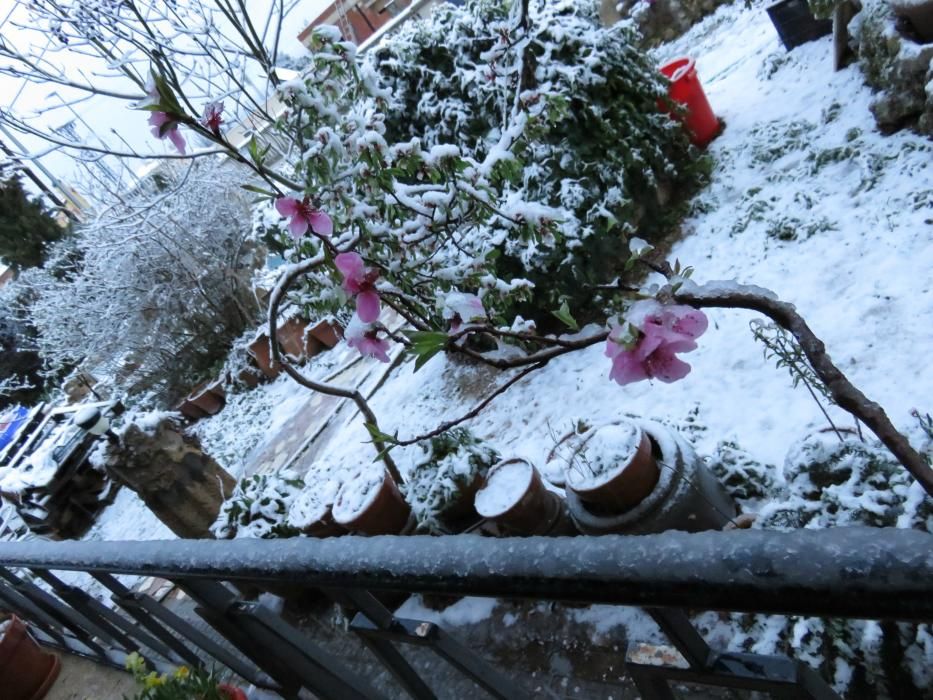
{"x": 685, "y": 89}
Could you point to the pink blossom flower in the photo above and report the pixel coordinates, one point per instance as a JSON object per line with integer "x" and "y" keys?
{"x": 212, "y": 117}
{"x": 163, "y": 125}
{"x": 360, "y": 281}
{"x": 646, "y": 347}
{"x": 460, "y": 308}
{"x": 302, "y": 216}
{"x": 364, "y": 337}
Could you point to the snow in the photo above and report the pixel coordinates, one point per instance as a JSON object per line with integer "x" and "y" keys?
{"x": 466, "y": 611}
{"x": 603, "y": 453}
{"x": 806, "y": 199}
{"x": 505, "y": 486}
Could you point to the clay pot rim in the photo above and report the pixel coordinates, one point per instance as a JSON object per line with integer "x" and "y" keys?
{"x": 375, "y": 485}
{"x": 497, "y": 467}
{"x": 677, "y": 459}
{"x": 615, "y": 472}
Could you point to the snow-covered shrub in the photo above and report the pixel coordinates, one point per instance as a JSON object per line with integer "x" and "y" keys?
{"x": 159, "y": 285}
{"x": 900, "y": 69}
{"x": 450, "y": 466}
{"x": 259, "y": 507}
{"x": 745, "y": 479}
{"x": 832, "y": 483}
{"x": 598, "y": 155}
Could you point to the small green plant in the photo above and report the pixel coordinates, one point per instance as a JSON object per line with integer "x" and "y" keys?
{"x": 451, "y": 463}
{"x": 183, "y": 684}
{"x": 259, "y": 507}
{"x": 784, "y": 349}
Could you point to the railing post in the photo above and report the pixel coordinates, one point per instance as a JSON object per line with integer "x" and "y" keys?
{"x": 375, "y": 620}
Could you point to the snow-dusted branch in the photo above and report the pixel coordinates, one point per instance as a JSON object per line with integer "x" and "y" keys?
{"x": 287, "y": 279}
{"x": 845, "y": 394}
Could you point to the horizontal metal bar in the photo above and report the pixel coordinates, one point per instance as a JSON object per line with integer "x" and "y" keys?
{"x": 840, "y": 572}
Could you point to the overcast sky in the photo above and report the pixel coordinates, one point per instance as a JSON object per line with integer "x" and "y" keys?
{"x": 110, "y": 119}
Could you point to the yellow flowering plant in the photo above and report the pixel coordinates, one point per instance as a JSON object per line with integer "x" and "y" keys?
{"x": 182, "y": 684}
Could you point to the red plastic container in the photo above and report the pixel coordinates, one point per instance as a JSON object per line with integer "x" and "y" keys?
{"x": 685, "y": 89}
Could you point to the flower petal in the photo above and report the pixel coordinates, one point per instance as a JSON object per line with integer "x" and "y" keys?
{"x": 687, "y": 320}
{"x": 298, "y": 226}
{"x": 367, "y": 306}
{"x": 321, "y": 223}
{"x": 376, "y": 348}
{"x": 177, "y": 139}
{"x": 666, "y": 366}
{"x": 626, "y": 368}
{"x": 351, "y": 266}
{"x": 287, "y": 206}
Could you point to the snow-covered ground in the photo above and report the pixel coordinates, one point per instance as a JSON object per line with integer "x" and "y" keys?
{"x": 799, "y": 157}
{"x": 807, "y": 198}
{"x": 799, "y": 154}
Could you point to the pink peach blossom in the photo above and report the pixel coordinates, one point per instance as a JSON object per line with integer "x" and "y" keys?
{"x": 460, "y": 308}
{"x": 213, "y": 116}
{"x": 163, "y": 125}
{"x": 302, "y": 216}
{"x": 364, "y": 337}
{"x": 360, "y": 281}
{"x": 646, "y": 347}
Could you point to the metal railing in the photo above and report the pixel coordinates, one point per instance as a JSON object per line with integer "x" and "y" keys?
{"x": 862, "y": 573}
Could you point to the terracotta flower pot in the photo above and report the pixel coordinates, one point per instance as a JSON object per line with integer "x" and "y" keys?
{"x": 27, "y": 672}
{"x": 620, "y": 485}
{"x": 231, "y": 691}
{"x": 250, "y": 377}
{"x": 190, "y": 410}
{"x": 514, "y": 497}
{"x": 296, "y": 340}
{"x": 371, "y": 505}
{"x": 260, "y": 351}
{"x": 328, "y": 333}
{"x": 319, "y": 522}
{"x": 209, "y": 397}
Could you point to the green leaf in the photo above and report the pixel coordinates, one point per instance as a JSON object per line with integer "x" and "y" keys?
{"x": 425, "y": 345}
{"x": 564, "y": 316}
{"x": 259, "y": 190}
{"x": 379, "y": 436}
{"x": 253, "y": 148}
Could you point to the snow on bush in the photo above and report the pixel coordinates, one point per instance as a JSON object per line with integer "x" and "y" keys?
{"x": 595, "y": 152}
{"x": 448, "y": 467}
{"x": 259, "y": 507}
{"x": 153, "y": 290}
{"x": 831, "y": 483}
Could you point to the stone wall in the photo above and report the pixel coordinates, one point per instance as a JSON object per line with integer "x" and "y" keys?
{"x": 897, "y": 66}
{"x": 658, "y": 20}
{"x": 171, "y": 474}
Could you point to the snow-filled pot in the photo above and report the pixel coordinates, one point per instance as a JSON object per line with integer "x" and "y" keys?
{"x": 261, "y": 352}
{"x": 27, "y": 672}
{"x": 612, "y": 466}
{"x": 795, "y": 23}
{"x": 686, "y": 496}
{"x": 515, "y": 498}
{"x": 920, "y": 15}
{"x": 313, "y": 516}
{"x": 371, "y": 504}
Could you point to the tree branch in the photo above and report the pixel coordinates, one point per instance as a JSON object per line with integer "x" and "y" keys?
{"x": 285, "y": 282}
{"x": 843, "y": 392}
